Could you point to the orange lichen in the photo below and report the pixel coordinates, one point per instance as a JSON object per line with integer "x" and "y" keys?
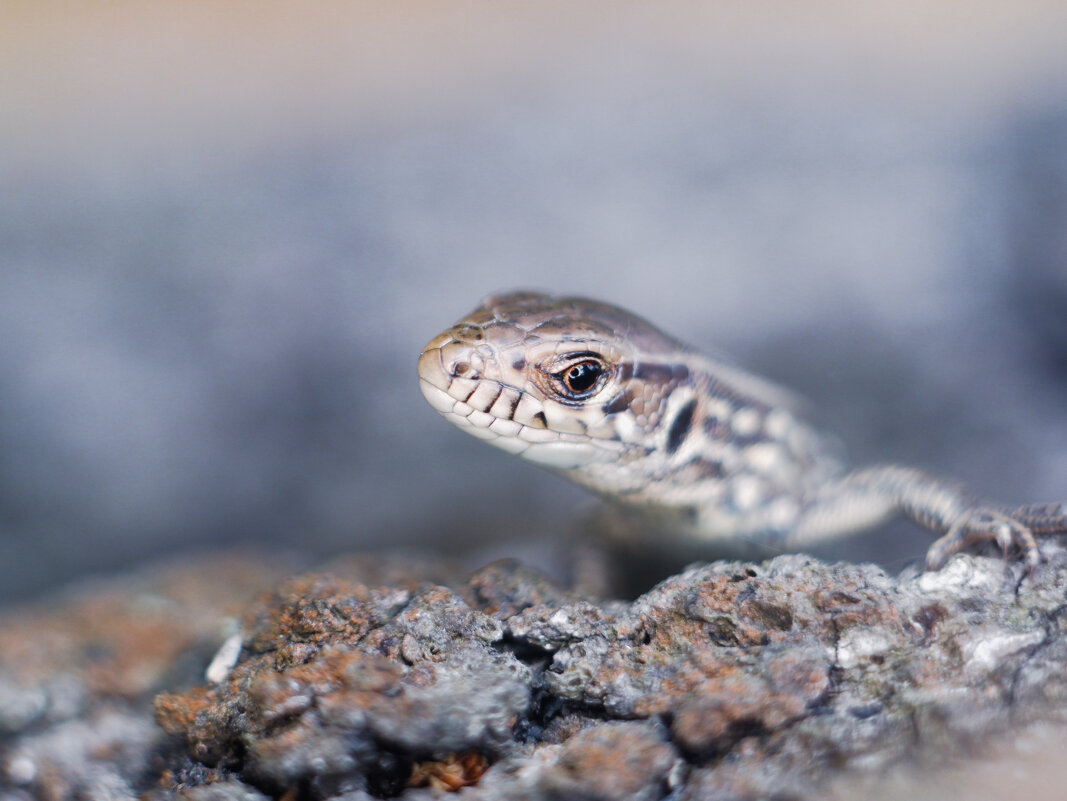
{"x": 451, "y": 773}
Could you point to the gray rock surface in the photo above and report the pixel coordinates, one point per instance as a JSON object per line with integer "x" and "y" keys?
{"x": 729, "y": 680}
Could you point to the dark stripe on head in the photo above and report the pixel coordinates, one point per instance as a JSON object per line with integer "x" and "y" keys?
{"x": 660, "y": 373}
{"x": 540, "y": 419}
{"x": 514, "y": 405}
{"x": 680, "y": 426}
{"x": 620, "y": 403}
{"x": 707, "y": 468}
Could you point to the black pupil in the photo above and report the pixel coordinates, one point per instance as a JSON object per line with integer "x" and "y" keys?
{"x": 582, "y": 377}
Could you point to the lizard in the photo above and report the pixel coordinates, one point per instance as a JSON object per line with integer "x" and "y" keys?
{"x": 683, "y": 443}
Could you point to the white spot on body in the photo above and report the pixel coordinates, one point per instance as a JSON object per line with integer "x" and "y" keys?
{"x": 745, "y": 422}
{"x": 718, "y": 408}
{"x": 625, "y": 427}
{"x": 782, "y": 513}
{"x": 764, "y": 457}
{"x": 21, "y": 769}
{"x": 778, "y": 424}
{"x": 746, "y": 492}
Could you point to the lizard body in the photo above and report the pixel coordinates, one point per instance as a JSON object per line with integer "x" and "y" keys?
{"x": 682, "y": 442}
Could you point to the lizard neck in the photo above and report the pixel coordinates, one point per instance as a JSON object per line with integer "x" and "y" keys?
{"x": 722, "y": 440}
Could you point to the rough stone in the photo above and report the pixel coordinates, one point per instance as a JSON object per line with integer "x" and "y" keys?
{"x": 346, "y": 687}
{"x": 730, "y": 680}
{"x": 612, "y": 762}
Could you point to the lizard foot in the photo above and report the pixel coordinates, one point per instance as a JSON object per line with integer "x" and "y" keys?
{"x": 983, "y": 524}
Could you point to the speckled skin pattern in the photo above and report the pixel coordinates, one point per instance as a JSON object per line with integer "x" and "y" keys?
{"x": 689, "y": 446}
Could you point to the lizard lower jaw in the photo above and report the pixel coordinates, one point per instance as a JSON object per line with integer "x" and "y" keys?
{"x": 551, "y": 449}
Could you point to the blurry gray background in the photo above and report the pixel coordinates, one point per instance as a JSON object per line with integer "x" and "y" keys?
{"x": 227, "y": 229}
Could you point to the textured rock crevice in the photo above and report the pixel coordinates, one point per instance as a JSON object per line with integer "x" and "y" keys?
{"x": 728, "y": 680}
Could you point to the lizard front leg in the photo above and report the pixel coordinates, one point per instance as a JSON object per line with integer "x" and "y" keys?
{"x": 866, "y": 497}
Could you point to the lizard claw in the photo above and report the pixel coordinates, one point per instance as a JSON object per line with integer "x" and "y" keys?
{"x": 982, "y": 525}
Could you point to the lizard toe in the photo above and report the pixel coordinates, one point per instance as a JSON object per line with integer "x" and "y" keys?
{"x": 985, "y": 525}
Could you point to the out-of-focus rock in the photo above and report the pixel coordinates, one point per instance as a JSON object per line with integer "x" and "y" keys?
{"x": 77, "y": 675}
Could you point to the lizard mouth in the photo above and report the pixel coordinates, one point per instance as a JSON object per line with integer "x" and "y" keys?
{"x": 457, "y": 379}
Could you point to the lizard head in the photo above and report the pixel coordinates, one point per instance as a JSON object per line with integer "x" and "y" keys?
{"x": 572, "y": 384}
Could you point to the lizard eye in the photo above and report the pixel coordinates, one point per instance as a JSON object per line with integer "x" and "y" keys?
{"x": 581, "y": 378}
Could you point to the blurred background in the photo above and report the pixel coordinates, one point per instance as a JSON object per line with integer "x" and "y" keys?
{"x": 226, "y": 230}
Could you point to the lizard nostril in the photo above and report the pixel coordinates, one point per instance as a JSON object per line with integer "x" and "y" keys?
{"x": 459, "y": 369}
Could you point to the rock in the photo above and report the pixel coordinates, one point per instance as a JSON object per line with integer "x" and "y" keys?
{"x": 729, "y": 680}
{"x": 612, "y": 762}
{"x": 346, "y": 687}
